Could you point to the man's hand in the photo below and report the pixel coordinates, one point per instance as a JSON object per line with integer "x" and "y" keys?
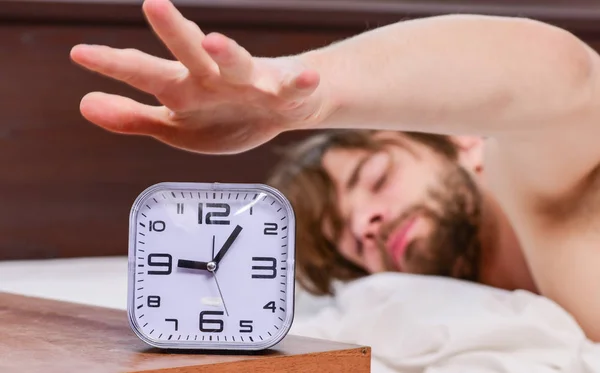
{"x": 217, "y": 98}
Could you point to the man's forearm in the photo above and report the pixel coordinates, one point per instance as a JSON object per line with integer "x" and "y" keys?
{"x": 453, "y": 74}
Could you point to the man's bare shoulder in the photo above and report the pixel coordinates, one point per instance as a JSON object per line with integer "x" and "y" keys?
{"x": 554, "y": 165}
{"x": 548, "y": 182}
{"x": 558, "y": 224}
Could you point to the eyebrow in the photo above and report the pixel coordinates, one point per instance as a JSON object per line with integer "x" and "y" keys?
{"x": 351, "y": 183}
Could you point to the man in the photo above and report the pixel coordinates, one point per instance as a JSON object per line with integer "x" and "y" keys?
{"x": 374, "y": 201}
{"x": 531, "y": 89}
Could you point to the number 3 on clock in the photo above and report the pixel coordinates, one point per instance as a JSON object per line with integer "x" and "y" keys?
{"x": 271, "y": 268}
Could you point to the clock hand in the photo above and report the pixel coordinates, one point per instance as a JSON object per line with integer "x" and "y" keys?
{"x": 212, "y": 267}
{"x": 213, "y": 249}
{"x": 192, "y": 264}
{"x": 227, "y": 244}
{"x": 221, "y": 294}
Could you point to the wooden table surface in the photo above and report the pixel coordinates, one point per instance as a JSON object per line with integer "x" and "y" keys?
{"x": 41, "y": 335}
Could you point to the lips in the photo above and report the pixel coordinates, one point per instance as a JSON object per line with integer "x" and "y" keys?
{"x": 398, "y": 240}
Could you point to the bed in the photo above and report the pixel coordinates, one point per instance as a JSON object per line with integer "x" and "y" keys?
{"x": 413, "y": 323}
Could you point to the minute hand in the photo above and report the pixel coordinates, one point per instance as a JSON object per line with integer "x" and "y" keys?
{"x": 227, "y": 244}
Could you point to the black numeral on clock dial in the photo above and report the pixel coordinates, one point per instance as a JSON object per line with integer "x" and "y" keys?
{"x": 246, "y": 326}
{"x": 270, "y": 306}
{"x": 153, "y": 301}
{"x": 270, "y": 229}
{"x": 210, "y": 324}
{"x": 164, "y": 261}
{"x": 270, "y": 268}
{"x": 156, "y": 226}
{"x": 174, "y": 321}
{"x": 212, "y": 217}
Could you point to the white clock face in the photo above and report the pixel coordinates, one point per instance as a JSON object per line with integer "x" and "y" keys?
{"x": 211, "y": 266}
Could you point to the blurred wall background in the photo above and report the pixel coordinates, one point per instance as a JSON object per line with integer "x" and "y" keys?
{"x": 66, "y": 186}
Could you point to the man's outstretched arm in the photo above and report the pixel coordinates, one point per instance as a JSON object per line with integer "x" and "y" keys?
{"x": 456, "y": 73}
{"x": 533, "y": 87}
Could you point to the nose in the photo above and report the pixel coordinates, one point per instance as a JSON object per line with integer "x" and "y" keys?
{"x": 367, "y": 222}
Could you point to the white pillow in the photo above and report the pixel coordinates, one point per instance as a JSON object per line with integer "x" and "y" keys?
{"x": 431, "y": 324}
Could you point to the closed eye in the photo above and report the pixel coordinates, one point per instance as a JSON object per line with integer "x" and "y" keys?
{"x": 383, "y": 178}
{"x": 380, "y": 182}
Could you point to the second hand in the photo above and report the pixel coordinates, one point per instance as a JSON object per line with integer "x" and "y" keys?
{"x": 221, "y": 294}
{"x": 215, "y": 276}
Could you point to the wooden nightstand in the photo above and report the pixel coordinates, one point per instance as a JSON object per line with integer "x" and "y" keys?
{"x": 40, "y": 335}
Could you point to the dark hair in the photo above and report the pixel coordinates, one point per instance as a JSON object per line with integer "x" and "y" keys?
{"x": 301, "y": 177}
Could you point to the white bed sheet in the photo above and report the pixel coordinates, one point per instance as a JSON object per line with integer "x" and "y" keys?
{"x": 98, "y": 281}
{"x": 413, "y": 323}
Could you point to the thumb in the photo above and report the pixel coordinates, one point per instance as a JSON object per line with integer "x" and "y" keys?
{"x": 300, "y": 85}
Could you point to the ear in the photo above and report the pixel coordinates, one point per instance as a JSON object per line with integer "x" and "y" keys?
{"x": 470, "y": 150}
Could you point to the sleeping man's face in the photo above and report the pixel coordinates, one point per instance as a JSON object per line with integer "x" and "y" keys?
{"x": 406, "y": 208}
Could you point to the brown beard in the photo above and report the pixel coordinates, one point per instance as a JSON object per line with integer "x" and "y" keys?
{"x": 453, "y": 248}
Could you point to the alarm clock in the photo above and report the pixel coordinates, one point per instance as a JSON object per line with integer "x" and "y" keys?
{"x": 211, "y": 266}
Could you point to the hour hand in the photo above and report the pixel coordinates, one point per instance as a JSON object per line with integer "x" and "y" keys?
{"x": 192, "y": 264}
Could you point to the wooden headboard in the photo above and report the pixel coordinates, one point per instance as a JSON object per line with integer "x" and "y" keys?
{"x": 66, "y": 186}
